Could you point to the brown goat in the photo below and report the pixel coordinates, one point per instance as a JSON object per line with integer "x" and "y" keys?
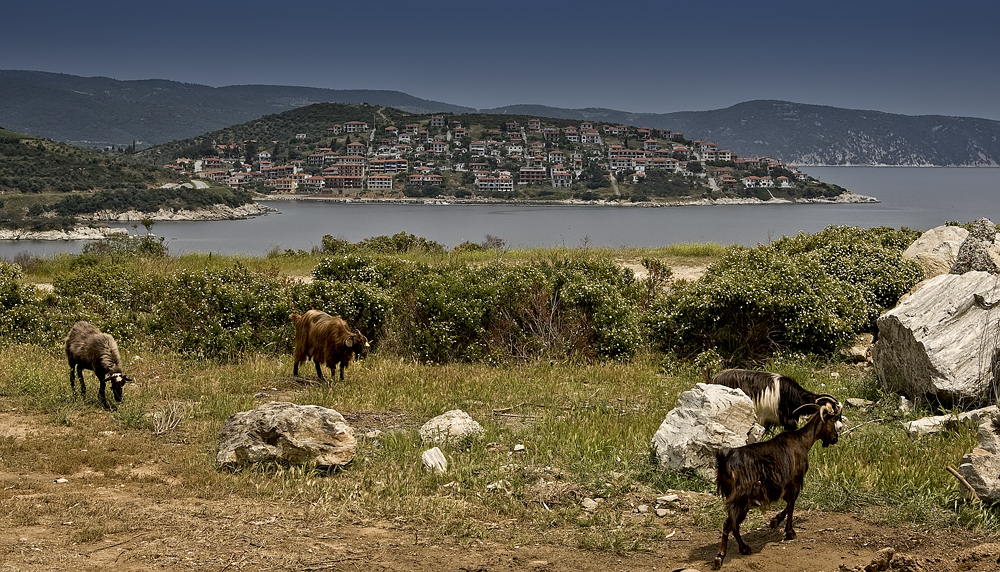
{"x": 761, "y": 473}
{"x": 326, "y": 340}
{"x": 89, "y": 348}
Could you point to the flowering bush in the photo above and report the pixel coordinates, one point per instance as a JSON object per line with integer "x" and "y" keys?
{"x": 223, "y": 313}
{"x": 755, "y": 301}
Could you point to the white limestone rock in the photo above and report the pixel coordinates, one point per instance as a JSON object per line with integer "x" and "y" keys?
{"x": 707, "y": 418}
{"x": 455, "y": 428}
{"x": 936, "y": 343}
{"x": 937, "y": 249}
{"x": 279, "y": 431}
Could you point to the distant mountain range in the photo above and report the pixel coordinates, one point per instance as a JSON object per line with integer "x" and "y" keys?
{"x": 101, "y": 111}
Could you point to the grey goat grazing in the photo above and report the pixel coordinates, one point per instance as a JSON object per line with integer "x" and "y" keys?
{"x": 761, "y": 473}
{"x": 89, "y": 348}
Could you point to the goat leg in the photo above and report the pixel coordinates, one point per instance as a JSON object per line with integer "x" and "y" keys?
{"x": 101, "y": 395}
{"x": 725, "y": 541}
{"x": 789, "y": 532}
{"x": 319, "y": 371}
{"x": 83, "y": 386}
{"x": 779, "y": 517}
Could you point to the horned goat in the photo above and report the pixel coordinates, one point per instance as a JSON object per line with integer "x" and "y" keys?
{"x": 775, "y": 397}
{"x": 326, "y": 340}
{"x": 89, "y": 348}
{"x": 761, "y": 473}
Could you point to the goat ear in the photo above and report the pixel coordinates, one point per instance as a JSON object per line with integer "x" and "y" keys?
{"x": 349, "y": 341}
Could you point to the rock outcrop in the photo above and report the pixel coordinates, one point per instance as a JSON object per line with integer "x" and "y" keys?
{"x": 279, "y": 431}
{"x": 707, "y": 418}
{"x": 455, "y": 428}
{"x": 979, "y": 251}
{"x": 214, "y": 212}
{"x": 79, "y": 233}
{"x": 937, "y": 249}
{"x": 941, "y": 342}
{"x": 981, "y": 467}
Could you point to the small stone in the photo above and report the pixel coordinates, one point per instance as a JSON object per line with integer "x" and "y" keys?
{"x": 61, "y": 481}
{"x": 643, "y": 508}
{"x": 518, "y": 448}
{"x": 373, "y": 434}
{"x": 858, "y": 403}
{"x": 589, "y": 504}
{"x": 662, "y": 512}
{"x": 881, "y": 561}
{"x": 667, "y": 498}
{"x": 434, "y": 460}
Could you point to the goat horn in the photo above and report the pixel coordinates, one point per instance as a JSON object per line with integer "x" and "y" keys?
{"x": 805, "y": 406}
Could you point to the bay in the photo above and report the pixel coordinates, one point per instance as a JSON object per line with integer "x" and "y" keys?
{"x": 915, "y": 197}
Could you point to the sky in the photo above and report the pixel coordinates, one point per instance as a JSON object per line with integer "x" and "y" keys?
{"x": 914, "y": 57}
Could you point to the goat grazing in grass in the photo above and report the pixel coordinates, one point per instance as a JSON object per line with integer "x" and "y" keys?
{"x": 761, "y": 473}
{"x": 326, "y": 340}
{"x": 89, "y": 348}
{"x": 775, "y": 397}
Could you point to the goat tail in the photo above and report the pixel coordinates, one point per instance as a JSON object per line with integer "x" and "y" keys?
{"x": 721, "y": 469}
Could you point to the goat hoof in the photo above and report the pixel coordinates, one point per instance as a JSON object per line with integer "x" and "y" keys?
{"x": 745, "y": 550}
{"x": 790, "y": 535}
{"x": 718, "y": 561}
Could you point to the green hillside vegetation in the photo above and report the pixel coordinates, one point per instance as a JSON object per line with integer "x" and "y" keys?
{"x": 33, "y": 165}
{"x": 561, "y": 350}
{"x": 44, "y": 185}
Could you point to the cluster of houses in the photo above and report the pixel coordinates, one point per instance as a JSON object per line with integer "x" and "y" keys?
{"x": 500, "y": 160}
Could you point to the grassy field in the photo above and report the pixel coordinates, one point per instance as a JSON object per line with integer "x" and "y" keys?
{"x": 585, "y": 429}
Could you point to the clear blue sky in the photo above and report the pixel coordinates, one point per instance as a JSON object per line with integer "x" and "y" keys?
{"x": 914, "y": 57}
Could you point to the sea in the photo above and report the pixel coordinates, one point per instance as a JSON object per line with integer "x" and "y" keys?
{"x": 915, "y": 197}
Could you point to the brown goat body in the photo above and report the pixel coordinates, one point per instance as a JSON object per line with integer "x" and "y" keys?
{"x": 327, "y": 340}
{"x": 89, "y": 348}
{"x": 765, "y": 472}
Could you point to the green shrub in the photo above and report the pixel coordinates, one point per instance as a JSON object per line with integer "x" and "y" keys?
{"x": 222, "y": 314}
{"x": 21, "y": 315}
{"x": 755, "y": 301}
{"x": 379, "y": 270}
{"x": 401, "y": 243}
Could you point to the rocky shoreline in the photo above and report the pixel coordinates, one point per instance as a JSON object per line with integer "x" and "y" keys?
{"x": 223, "y": 212}
{"x": 214, "y": 212}
{"x": 845, "y": 198}
{"x": 78, "y": 233}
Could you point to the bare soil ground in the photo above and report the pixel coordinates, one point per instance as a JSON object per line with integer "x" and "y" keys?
{"x": 170, "y": 532}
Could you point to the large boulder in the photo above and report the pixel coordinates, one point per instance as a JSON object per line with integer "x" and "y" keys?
{"x": 981, "y": 467}
{"x": 456, "y": 428}
{"x": 941, "y": 343}
{"x": 937, "y": 249}
{"x": 979, "y": 251}
{"x": 707, "y": 418}
{"x": 278, "y": 431}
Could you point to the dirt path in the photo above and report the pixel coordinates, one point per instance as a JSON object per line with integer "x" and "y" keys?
{"x": 193, "y": 534}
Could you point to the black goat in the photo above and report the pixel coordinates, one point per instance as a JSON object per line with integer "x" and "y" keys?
{"x": 775, "y": 396}
{"x": 761, "y": 473}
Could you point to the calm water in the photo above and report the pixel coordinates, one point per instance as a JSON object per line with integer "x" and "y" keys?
{"x": 919, "y": 198}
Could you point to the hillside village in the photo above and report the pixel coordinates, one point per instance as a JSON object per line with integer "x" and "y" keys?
{"x": 442, "y": 156}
